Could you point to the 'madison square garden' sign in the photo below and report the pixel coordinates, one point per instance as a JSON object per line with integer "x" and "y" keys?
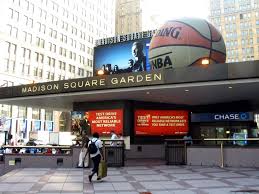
{"x": 91, "y": 83}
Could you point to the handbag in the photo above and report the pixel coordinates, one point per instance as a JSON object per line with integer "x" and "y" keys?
{"x": 102, "y": 169}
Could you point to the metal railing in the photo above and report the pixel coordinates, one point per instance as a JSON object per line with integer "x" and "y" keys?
{"x": 114, "y": 151}
{"x": 223, "y": 140}
{"x": 176, "y": 149}
{"x": 37, "y": 149}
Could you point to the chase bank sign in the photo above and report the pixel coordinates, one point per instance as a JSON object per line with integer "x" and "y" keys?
{"x": 217, "y": 117}
{"x": 231, "y": 116}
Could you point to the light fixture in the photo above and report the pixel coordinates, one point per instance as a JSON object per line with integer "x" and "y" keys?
{"x": 32, "y": 81}
{"x": 205, "y": 61}
{"x": 100, "y": 72}
{"x": 230, "y": 87}
{"x": 147, "y": 92}
{"x": 186, "y": 90}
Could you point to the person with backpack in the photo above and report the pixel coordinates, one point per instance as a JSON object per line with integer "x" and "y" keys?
{"x": 96, "y": 154}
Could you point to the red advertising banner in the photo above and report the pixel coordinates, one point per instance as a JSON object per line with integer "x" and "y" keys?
{"x": 103, "y": 121}
{"x": 161, "y": 122}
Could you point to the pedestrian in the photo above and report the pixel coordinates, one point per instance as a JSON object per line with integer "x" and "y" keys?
{"x": 113, "y": 137}
{"x": 187, "y": 139}
{"x": 120, "y": 137}
{"x": 96, "y": 154}
{"x": 83, "y": 156}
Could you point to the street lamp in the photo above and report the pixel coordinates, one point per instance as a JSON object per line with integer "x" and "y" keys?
{"x": 100, "y": 72}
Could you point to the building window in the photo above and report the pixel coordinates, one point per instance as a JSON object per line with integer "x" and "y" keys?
{"x": 31, "y": 8}
{"x": 81, "y": 72}
{"x": 22, "y": 112}
{"x": 12, "y": 48}
{"x": 9, "y": 65}
{"x": 39, "y": 57}
{"x": 35, "y": 71}
{"x": 48, "y": 115}
{"x": 27, "y": 37}
{"x": 5, "y": 110}
{"x": 40, "y": 42}
{"x": 62, "y": 65}
{"x": 14, "y": 15}
{"x": 52, "y": 47}
{"x": 36, "y": 113}
{"x": 25, "y": 69}
{"x": 28, "y": 54}
{"x": 12, "y": 31}
{"x": 47, "y": 75}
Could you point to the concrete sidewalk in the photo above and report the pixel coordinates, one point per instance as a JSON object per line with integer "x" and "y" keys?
{"x": 133, "y": 180}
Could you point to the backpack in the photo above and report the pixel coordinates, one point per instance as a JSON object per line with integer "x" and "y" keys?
{"x": 92, "y": 147}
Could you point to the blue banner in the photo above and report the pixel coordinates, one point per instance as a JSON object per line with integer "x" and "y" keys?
{"x": 219, "y": 117}
{"x": 48, "y": 125}
{"x": 36, "y": 125}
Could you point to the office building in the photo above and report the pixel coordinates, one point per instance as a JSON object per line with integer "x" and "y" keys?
{"x": 128, "y": 16}
{"x": 238, "y": 21}
{"x": 48, "y": 40}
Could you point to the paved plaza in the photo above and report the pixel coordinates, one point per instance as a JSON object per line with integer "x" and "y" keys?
{"x": 133, "y": 180}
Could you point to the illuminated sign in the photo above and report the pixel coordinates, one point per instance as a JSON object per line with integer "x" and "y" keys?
{"x": 124, "y": 57}
{"x": 126, "y": 37}
{"x": 229, "y": 116}
{"x": 161, "y": 122}
{"x": 104, "y": 121}
{"x": 122, "y": 80}
{"x": 101, "y": 121}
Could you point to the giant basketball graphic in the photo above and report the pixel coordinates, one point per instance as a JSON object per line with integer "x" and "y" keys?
{"x": 186, "y": 42}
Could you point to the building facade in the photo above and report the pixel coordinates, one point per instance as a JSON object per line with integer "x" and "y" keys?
{"x": 238, "y": 21}
{"x": 48, "y": 40}
{"x": 128, "y": 16}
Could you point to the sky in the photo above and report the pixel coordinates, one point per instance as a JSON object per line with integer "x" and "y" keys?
{"x": 164, "y": 10}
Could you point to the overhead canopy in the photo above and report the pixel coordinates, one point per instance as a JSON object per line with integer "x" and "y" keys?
{"x": 218, "y": 83}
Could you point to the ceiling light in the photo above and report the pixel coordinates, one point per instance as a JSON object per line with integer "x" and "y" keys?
{"x": 205, "y": 61}
{"x": 32, "y": 81}
{"x": 100, "y": 72}
{"x": 230, "y": 87}
{"x": 186, "y": 90}
{"x": 147, "y": 92}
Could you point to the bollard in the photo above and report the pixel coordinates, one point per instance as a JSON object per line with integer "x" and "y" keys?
{"x": 222, "y": 155}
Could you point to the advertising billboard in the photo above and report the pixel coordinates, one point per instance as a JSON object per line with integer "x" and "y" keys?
{"x": 161, "y": 122}
{"x": 123, "y": 57}
{"x": 101, "y": 121}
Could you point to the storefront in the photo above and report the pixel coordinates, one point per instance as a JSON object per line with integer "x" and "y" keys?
{"x": 233, "y": 125}
{"x": 147, "y": 107}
